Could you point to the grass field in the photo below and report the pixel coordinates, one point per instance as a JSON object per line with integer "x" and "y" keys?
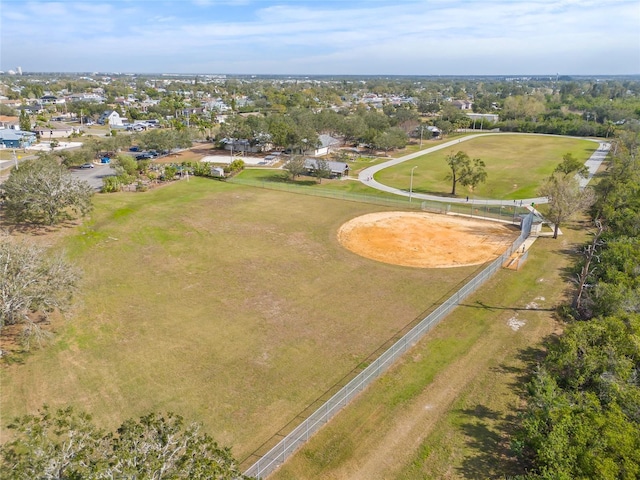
{"x": 446, "y": 410}
{"x": 230, "y": 305}
{"x": 516, "y": 165}
{"x": 280, "y": 177}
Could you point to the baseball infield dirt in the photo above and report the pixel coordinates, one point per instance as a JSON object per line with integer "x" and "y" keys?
{"x": 426, "y": 240}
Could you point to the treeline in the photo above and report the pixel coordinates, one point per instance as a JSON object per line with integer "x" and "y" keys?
{"x": 573, "y": 126}
{"x": 583, "y": 414}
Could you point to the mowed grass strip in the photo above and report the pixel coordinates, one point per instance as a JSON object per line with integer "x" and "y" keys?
{"x": 230, "y": 305}
{"x": 516, "y": 165}
{"x": 279, "y": 179}
{"x": 447, "y": 408}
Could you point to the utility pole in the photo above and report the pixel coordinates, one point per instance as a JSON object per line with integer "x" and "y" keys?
{"x": 411, "y": 183}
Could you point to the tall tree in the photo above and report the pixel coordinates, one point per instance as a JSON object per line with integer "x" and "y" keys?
{"x": 570, "y": 165}
{"x": 24, "y": 121}
{"x": 41, "y": 191}
{"x": 464, "y": 171}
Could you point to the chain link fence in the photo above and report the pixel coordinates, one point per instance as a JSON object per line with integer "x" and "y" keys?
{"x": 508, "y": 211}
{"x": 299, "y": 435}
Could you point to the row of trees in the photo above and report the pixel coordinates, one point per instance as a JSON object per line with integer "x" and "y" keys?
{"x": 299, "y": 128}
{"x": 583, "y": 413}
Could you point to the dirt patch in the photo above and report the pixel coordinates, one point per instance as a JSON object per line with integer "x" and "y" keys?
{"x": 193, "y": 154}
{"x": 426, "y": 240}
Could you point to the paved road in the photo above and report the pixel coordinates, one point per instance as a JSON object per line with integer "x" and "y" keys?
{"x": 366, "y": 175}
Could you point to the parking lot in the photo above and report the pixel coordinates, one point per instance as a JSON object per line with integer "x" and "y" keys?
{"x": 94, "y": 176}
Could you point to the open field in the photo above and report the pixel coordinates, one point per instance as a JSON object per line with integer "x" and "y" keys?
{"x": 516, "y": 165}
{"x": 447, "y": 409}
{"x": 230, "y": 305}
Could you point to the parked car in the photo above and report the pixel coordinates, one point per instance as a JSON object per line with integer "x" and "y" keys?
{"x": 144, "y": 156}
{"x": 86, "y": 165}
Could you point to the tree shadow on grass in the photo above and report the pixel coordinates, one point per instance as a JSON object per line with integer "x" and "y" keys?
{"x": 489, "y": 432}
{"x": 438, "y": 193}
{"x": 282, "y": 178}
{"x": 9, "y": 227}
{"x": 487, "y": 436}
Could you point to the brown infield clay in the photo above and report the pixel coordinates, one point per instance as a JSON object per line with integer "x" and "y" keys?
{"x": 426, "y": 240}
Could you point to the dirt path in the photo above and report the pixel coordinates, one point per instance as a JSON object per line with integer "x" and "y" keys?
{"x": 400, "y": 442}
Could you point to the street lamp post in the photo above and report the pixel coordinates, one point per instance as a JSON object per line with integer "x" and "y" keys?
{"x": 421, "y": 130}
{"x": 411, "y": 183}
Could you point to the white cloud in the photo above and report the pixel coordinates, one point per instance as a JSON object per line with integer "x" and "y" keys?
{"x": 497, "y": 36}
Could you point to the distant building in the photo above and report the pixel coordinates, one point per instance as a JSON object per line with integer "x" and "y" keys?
{"x": 462, "y": 104}
{"x": 484, "y": 117}
{"x": 327, "y": 144}
{"x": 10, "y": 138}
{"x": 112, "y": 118}
{"x": 55, "y": 130}
{"x": 338, "y": 169}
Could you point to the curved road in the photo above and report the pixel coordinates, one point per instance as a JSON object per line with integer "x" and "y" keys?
{"x": 366, "y": 175}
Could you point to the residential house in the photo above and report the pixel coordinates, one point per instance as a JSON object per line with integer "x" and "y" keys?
{"x": 327, "y": 144}
{"x": 112, "y": 118}
{"x": 10, "y": 103}
{"x": 51, "y": 100}
{"x": 86, "y": 97}
{"x": 462, "y": 104}
{"x": 10, "y": 138}
{"x": 34, "y": 109}
{"x": 55, "y": 130}
{"x": 257, "y": 145}
{"x": 7, "y": 121}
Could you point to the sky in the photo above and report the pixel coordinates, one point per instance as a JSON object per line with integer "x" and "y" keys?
{"x": 322, "y": 37}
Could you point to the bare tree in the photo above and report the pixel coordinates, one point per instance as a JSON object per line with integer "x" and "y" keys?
{"x": 33, "y": 283}
{"x": 590, "y": 253}
{"x": 566, "y": 199}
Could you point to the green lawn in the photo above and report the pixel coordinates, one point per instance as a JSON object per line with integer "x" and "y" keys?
{"x": 516, "y": 165}
{"x": 230, "y": 305}
{"x": 279, "y": 179}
